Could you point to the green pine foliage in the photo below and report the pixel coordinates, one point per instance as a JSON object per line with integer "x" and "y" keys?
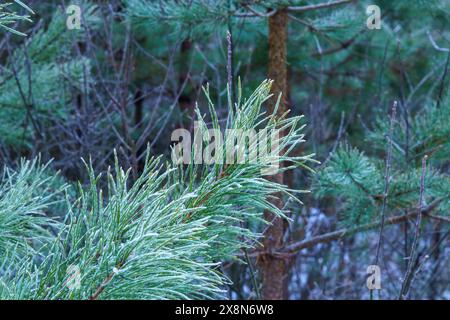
{"x": 185, "y": 17}
{"x": 41, "y": 77}
{"x": 27, "y": 198}
{"x": 8, "y": 16}
{"x": 427, "y": 132}
{"x": 358, "y": 178}
{"x": 162, "y": 236}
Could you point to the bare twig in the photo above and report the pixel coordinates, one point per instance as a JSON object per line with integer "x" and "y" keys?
{"x": 336, "y": 142}
{"x": 438, "y": 218}
{"x": 434, "y": 44}
{"x": 230, "y": 64}
{"x": 252, "y": 274}
{"x": 441, "y": 85}
{"x": 259, "y": 14}
{"x": 318, "y": 6}
{"x": 105, "y": 282}
{"x": 412, "y": 256}
{"x": 230, "y": 48}
{"x": 386, "y": 181}
{"x": 339, "y": 234}
{"x": 441, "y": 49}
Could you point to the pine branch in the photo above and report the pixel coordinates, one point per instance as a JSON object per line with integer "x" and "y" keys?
{"x": 313, "y": 7}
{"x": 8, "y": 17}
{"x": 162, "y": 236}
{"x": 339, "y": 234}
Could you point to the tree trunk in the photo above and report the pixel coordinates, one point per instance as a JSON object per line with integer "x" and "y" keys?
{"x": 274, "y": 270}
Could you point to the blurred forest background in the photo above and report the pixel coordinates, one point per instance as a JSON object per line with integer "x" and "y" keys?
{"x": 375, "y": 101}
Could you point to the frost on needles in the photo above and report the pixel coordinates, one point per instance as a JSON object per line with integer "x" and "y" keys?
{"x": 161, "y": 236}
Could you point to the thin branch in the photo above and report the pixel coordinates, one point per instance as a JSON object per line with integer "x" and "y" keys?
{"x": 318, "y": 6}
{"x": 434, "y": 44}
{"x": 441, "y": 85}
{"x": 336, "y": 142}
{"x": 105, "y": 282}
{"x": 259, "y": 14}
{"x": 342, "y": 45}
{"x": 230, "y": 48}
{"x": 339, "y": 234}
{"x": 412, "y": 256}
{"x": 438, "y": 218}
{"x": 252, "y": 274}
{"x": 230, "y": 64}
{"x": 386, "y": 181}
{"x": 428, "y": 255}
{"x": 441, "y": 49}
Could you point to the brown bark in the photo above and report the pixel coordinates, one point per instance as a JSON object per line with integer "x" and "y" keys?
{"x": 274, "y": 269}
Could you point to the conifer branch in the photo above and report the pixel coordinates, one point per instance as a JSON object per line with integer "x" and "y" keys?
{"x": 318, "y": 6}
{"x": 339, "y": 234}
